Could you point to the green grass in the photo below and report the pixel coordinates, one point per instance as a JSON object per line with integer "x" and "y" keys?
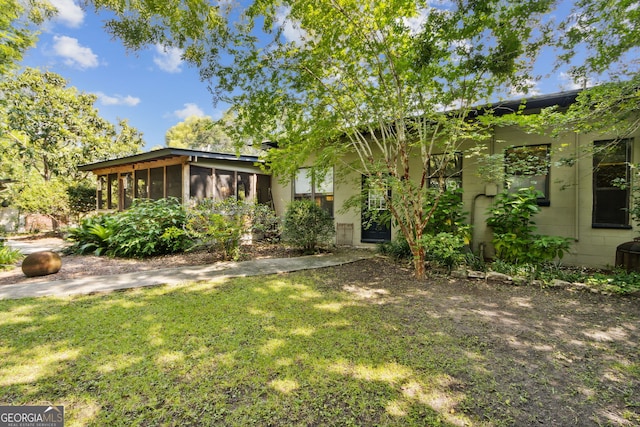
{"x": 273, "y": 351}
{"x": 277, "y": 350}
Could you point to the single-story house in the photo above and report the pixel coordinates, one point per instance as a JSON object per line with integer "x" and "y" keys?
{"x": 180, "y": 173}
{"x": 578, "y": 200}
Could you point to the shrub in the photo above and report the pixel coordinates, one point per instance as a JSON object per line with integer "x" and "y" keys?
{"x": 265, "y": 221}
{"x": 141, "y": 231}
{"x": 307, "y": 225}
{"x": 8, "y": 256}
{"x": 82, "y": 199}
{"x": 446, "y": 249}
{"x": 398, "y": 249}
{"x": 219, "y": 225}
{"x": 91, "y": 236}
{"x": 514, "y": 235}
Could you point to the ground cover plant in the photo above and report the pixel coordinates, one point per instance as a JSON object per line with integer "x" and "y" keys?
{"x": 360, "y": 344}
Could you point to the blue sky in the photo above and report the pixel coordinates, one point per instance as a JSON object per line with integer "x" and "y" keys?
{"x": 153, "y": 88}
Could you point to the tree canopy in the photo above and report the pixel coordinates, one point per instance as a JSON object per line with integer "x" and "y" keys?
{"x": 17, "y": 32}
{"x": 203, "y": 133}
{"x": 47, "y": 129}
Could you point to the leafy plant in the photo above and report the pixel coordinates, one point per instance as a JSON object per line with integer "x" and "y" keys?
{"x": 514, "y": 235}
{"x": 138, "y": 232}
{"x": 91, "y": 235}
{"x": 307, "y": 225}
{"x": 219, "y": 225}
{"x": 446, "y": 249}
{"x": 265, "y": 221}
{"x": 8, "y": 256}
{"x": 398, "y": 249}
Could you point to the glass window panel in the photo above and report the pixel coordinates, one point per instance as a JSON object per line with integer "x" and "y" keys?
{"x": 325, "y": 185}
{"x": 103, "y": 192}
{"x": 528, "y": 166}
{"x": 610, "y": 174}
{"x": 114, "y": 195}
{"x": 302, "y": 183}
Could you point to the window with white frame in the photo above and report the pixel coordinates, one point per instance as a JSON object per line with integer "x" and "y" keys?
{"x": 308, "y": 185}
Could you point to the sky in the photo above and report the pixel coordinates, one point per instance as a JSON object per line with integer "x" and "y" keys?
{"x": 153, "y": 89}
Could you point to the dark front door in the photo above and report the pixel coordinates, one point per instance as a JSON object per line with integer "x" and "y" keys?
{"x": 375, "y": 220}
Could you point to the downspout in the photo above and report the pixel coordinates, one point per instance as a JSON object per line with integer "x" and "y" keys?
{"x": 576, "y": 166}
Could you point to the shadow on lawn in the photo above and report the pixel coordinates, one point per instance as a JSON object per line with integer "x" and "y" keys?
{"x": 313, "y": 348}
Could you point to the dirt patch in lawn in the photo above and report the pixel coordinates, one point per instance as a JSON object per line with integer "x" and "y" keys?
{"x": 552, "y": 357}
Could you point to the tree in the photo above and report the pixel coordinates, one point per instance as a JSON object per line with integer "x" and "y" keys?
{"x": 203, "y": 133}
{"x": 47, "y": 130}
{"x": 392, "y": 84}
{"x": 52, "y": 128}
{"x": 16, "y": 30}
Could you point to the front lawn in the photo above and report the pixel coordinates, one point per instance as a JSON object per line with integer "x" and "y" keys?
{"x": 362, "y": 344}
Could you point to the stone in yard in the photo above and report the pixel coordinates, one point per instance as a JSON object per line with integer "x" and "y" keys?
{"x": 41, "y": 264}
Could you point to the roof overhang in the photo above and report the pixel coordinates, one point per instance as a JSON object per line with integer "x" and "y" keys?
{"x": 167, "y": 153}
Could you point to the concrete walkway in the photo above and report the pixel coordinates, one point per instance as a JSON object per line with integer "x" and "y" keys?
{"x": 218, "y": 271}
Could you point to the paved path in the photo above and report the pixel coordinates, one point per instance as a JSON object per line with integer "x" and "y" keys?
{"x": 88, "y": 285}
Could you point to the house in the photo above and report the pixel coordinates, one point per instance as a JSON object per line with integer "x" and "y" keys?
{"x": 579, "y": 200}
{"x": 180, "y": 173}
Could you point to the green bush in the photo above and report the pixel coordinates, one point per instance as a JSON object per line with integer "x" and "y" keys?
{"x": 140, "y": 231}
{"x": 219, "y": 225}
{"x": 514, "y": 235}
{"x": 82, "y": 199}
{"x": 398, "y": 249}
{"x": 307, "y": 225}
{"x": 446, "y": 249}
{"x": 8, "y": 256}
{"x": 266, "y": 222}
{"x": 91, "y": 236}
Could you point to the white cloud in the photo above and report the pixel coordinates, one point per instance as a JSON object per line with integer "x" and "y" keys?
{"x": 569, "y": 82}
{"x": 69, "y": 13}
{"x": 526, "y": 87}
{"x": 290, "y": 29}
{"x": 74, "y": 54}
{"x": 169, "y": 59}
{"x": 189, "y": 110}
{"x": 130, "y": 101}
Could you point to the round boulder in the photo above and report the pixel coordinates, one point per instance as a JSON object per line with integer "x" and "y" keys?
{"x": 41, "y": 264}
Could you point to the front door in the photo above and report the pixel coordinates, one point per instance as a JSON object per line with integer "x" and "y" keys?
{"x": 375, "y": 219}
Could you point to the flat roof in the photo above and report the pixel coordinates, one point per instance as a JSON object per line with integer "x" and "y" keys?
{"x": 165, "y": 153}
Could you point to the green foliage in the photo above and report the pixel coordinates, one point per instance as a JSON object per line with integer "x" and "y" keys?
{"x": 146, "y": 229}
{"x": 91, "y": 236}
{"x": 307, "y": 225}
{"x": 219, "y": 225}
{"x": 52, "y": 128}
{"x": 17, "y": 30}
{"x": 82, "y": 198}
{"x": 8, "y": 256}
{"x": 266, "y": 222}
{"x": 398, "y": 249}
{"x": 446, "y": 249}
{"x": 514, "y": 235}
{"x": 36, "y": 195}
{"x": 140, "y": 230}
